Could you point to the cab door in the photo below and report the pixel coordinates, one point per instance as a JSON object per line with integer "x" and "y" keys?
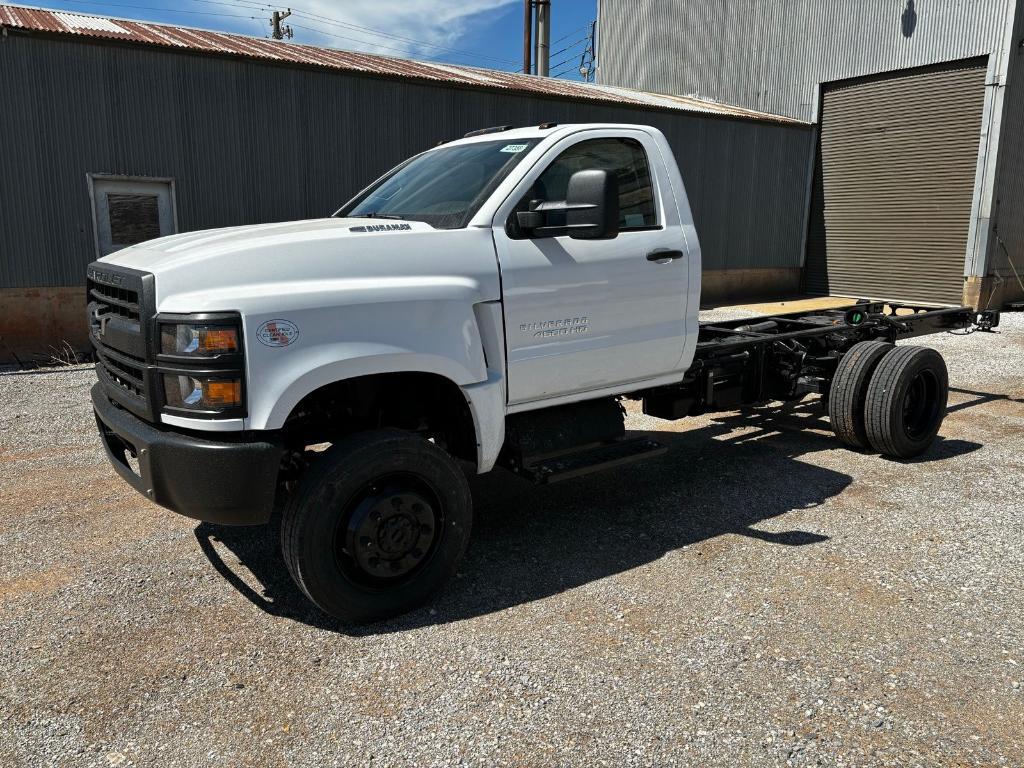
{"x": 591, "y": 314}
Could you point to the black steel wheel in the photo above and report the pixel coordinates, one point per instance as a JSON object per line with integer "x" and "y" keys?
{"x": 377, "y": 525}
{"x": 849, "y": 389}
{"x": 388, "y": 529}
{"x": 906, "y": 401}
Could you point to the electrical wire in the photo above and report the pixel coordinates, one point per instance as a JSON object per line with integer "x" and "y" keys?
{"x": 570, "y": 34}
{"x": 246, "y": 4}
{"x": 332, "y": 35}
{"x": 570, "y": 57}
{"x": 568, "y": 47}
{"x": 243, "y": 4}
{"x": 570, "y": 61}
{"x": 369, "y": 30}
{"x": 336, "y": 36}
{"x": 155, "y": 8}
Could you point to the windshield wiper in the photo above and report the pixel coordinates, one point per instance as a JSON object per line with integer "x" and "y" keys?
{"x": 375, "y": 215}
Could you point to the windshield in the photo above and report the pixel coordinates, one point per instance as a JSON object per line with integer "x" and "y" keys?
{"x": 443, "y": 187}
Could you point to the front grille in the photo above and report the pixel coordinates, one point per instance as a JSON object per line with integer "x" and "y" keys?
{"x": 123, "y": 370}
{"x": 120, "y": 310}
{"x": 112, "y": 300}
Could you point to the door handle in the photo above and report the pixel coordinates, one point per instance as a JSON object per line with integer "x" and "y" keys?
{"x": 664, "y": 255}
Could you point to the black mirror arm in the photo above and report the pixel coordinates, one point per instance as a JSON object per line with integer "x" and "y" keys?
{"x": 533, "y": 219}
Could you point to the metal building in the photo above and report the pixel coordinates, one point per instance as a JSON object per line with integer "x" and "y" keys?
{"x": 916, "y": 187}
{"x": 115, "y": 132}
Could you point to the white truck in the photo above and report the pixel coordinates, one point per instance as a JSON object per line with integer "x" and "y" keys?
{"x": 487, "y": 303}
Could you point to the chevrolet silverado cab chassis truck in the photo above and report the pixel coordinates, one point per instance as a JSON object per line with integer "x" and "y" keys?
{"x": 487, "y": 303}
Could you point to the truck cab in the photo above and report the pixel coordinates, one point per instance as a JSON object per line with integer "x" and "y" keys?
{"x": 508, "y": 272}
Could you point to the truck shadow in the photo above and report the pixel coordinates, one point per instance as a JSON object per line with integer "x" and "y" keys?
{"x": 532, "y": 542}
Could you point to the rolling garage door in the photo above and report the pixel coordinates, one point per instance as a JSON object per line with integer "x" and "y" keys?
{"x": 893, "y": 185}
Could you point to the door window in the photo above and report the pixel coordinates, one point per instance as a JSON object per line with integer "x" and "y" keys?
{"x": 623, "y": 157}
{"x": 131, "y": 211}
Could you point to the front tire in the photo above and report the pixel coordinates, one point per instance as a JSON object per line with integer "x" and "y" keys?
{"x": 377, "y": 525}
{"x": 906, "y": 401}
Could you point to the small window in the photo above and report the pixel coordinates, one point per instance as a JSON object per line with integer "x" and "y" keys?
{"x": 623, "y": 157}
{"x": 129, "y": 211}
{"x": 133, "y": 218}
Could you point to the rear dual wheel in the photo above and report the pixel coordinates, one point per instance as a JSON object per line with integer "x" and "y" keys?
{"x": 850, "y": 389}
{"x": 891, "y": 399}
{"x": 906, "y": 402}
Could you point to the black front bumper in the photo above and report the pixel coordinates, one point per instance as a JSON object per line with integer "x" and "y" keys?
{"x": 226, "y": 481}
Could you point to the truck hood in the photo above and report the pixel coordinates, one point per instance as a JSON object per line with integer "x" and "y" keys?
{"x": 236, "y": 242}
{"x": 227, "y": 269}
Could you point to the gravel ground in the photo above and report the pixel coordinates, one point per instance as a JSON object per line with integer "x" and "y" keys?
{"x": 757, "y": 596}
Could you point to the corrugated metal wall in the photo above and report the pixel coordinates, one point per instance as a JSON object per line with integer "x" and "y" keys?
{"x": 898, "y": 156}
{"x": 771, "y": 54}
{"x": 250, "y": 142}
{"x": 1008, "y": 222}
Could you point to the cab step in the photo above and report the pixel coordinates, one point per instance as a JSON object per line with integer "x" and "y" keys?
{"x": 583, "y": 461}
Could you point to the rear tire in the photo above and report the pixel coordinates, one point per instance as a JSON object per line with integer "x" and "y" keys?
{"x": 377, "y": 525}
{"x": 849, "y": 390}
{"x": 906, "y": 401}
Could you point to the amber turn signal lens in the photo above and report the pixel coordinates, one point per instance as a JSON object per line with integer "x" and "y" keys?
{"x": 199, "y": 340}
{"x": 214, "y": 341}
{"x": 221, "y": 394}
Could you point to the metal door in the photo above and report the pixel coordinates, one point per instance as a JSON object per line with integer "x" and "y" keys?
{"x": 586, "y": 314}
{"x": 894, "y": 184}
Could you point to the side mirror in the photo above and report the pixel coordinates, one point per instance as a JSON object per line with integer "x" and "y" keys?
{"x": 590, "y": 209}
{"x": 592, "y": 205}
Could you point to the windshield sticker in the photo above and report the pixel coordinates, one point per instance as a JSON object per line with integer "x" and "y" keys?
{"x": 514, "y": 148}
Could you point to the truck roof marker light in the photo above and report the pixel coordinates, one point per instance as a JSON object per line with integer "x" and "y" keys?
{"x": 485, "y": 131}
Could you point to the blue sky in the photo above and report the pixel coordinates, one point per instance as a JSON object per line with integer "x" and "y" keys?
{"x": 485, "y": 33}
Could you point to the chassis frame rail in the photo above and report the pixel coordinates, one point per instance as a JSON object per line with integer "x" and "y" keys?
{"x": 784, "y": 357}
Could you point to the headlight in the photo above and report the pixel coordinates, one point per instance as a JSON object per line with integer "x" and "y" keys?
{"x": 202, "y": 392}
{"x": 201, "y": 365}
{"x": 200, "y": 340}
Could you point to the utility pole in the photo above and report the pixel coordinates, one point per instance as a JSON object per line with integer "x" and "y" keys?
{"x": 279, "y": 32}
{"x": 542, "y": 47}
{"x": 527, "y": 29}
{"x": 589, "y": 55}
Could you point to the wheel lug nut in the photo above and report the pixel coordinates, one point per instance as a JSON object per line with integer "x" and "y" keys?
{"x": 366, "y": 541}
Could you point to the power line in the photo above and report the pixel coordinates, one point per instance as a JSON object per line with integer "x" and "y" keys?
{"x": 568, "y": 47}
{"x": 336, "y": 36}
{"x": 251, "y": 4}
{"x": 247, "y": 4}
{"x": 154, "y": 8}
{"x": 565, "y": 71}
{"x": 569, "y": 34}
{"x": 585, "y": 68}
{"x": 564, "y": 61}
{"x": 414, "y": 41}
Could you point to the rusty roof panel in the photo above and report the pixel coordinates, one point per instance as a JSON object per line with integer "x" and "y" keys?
{"x": 188, "y": 38}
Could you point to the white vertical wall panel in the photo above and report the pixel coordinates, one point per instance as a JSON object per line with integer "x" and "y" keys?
{"x": 772, "y": 54}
